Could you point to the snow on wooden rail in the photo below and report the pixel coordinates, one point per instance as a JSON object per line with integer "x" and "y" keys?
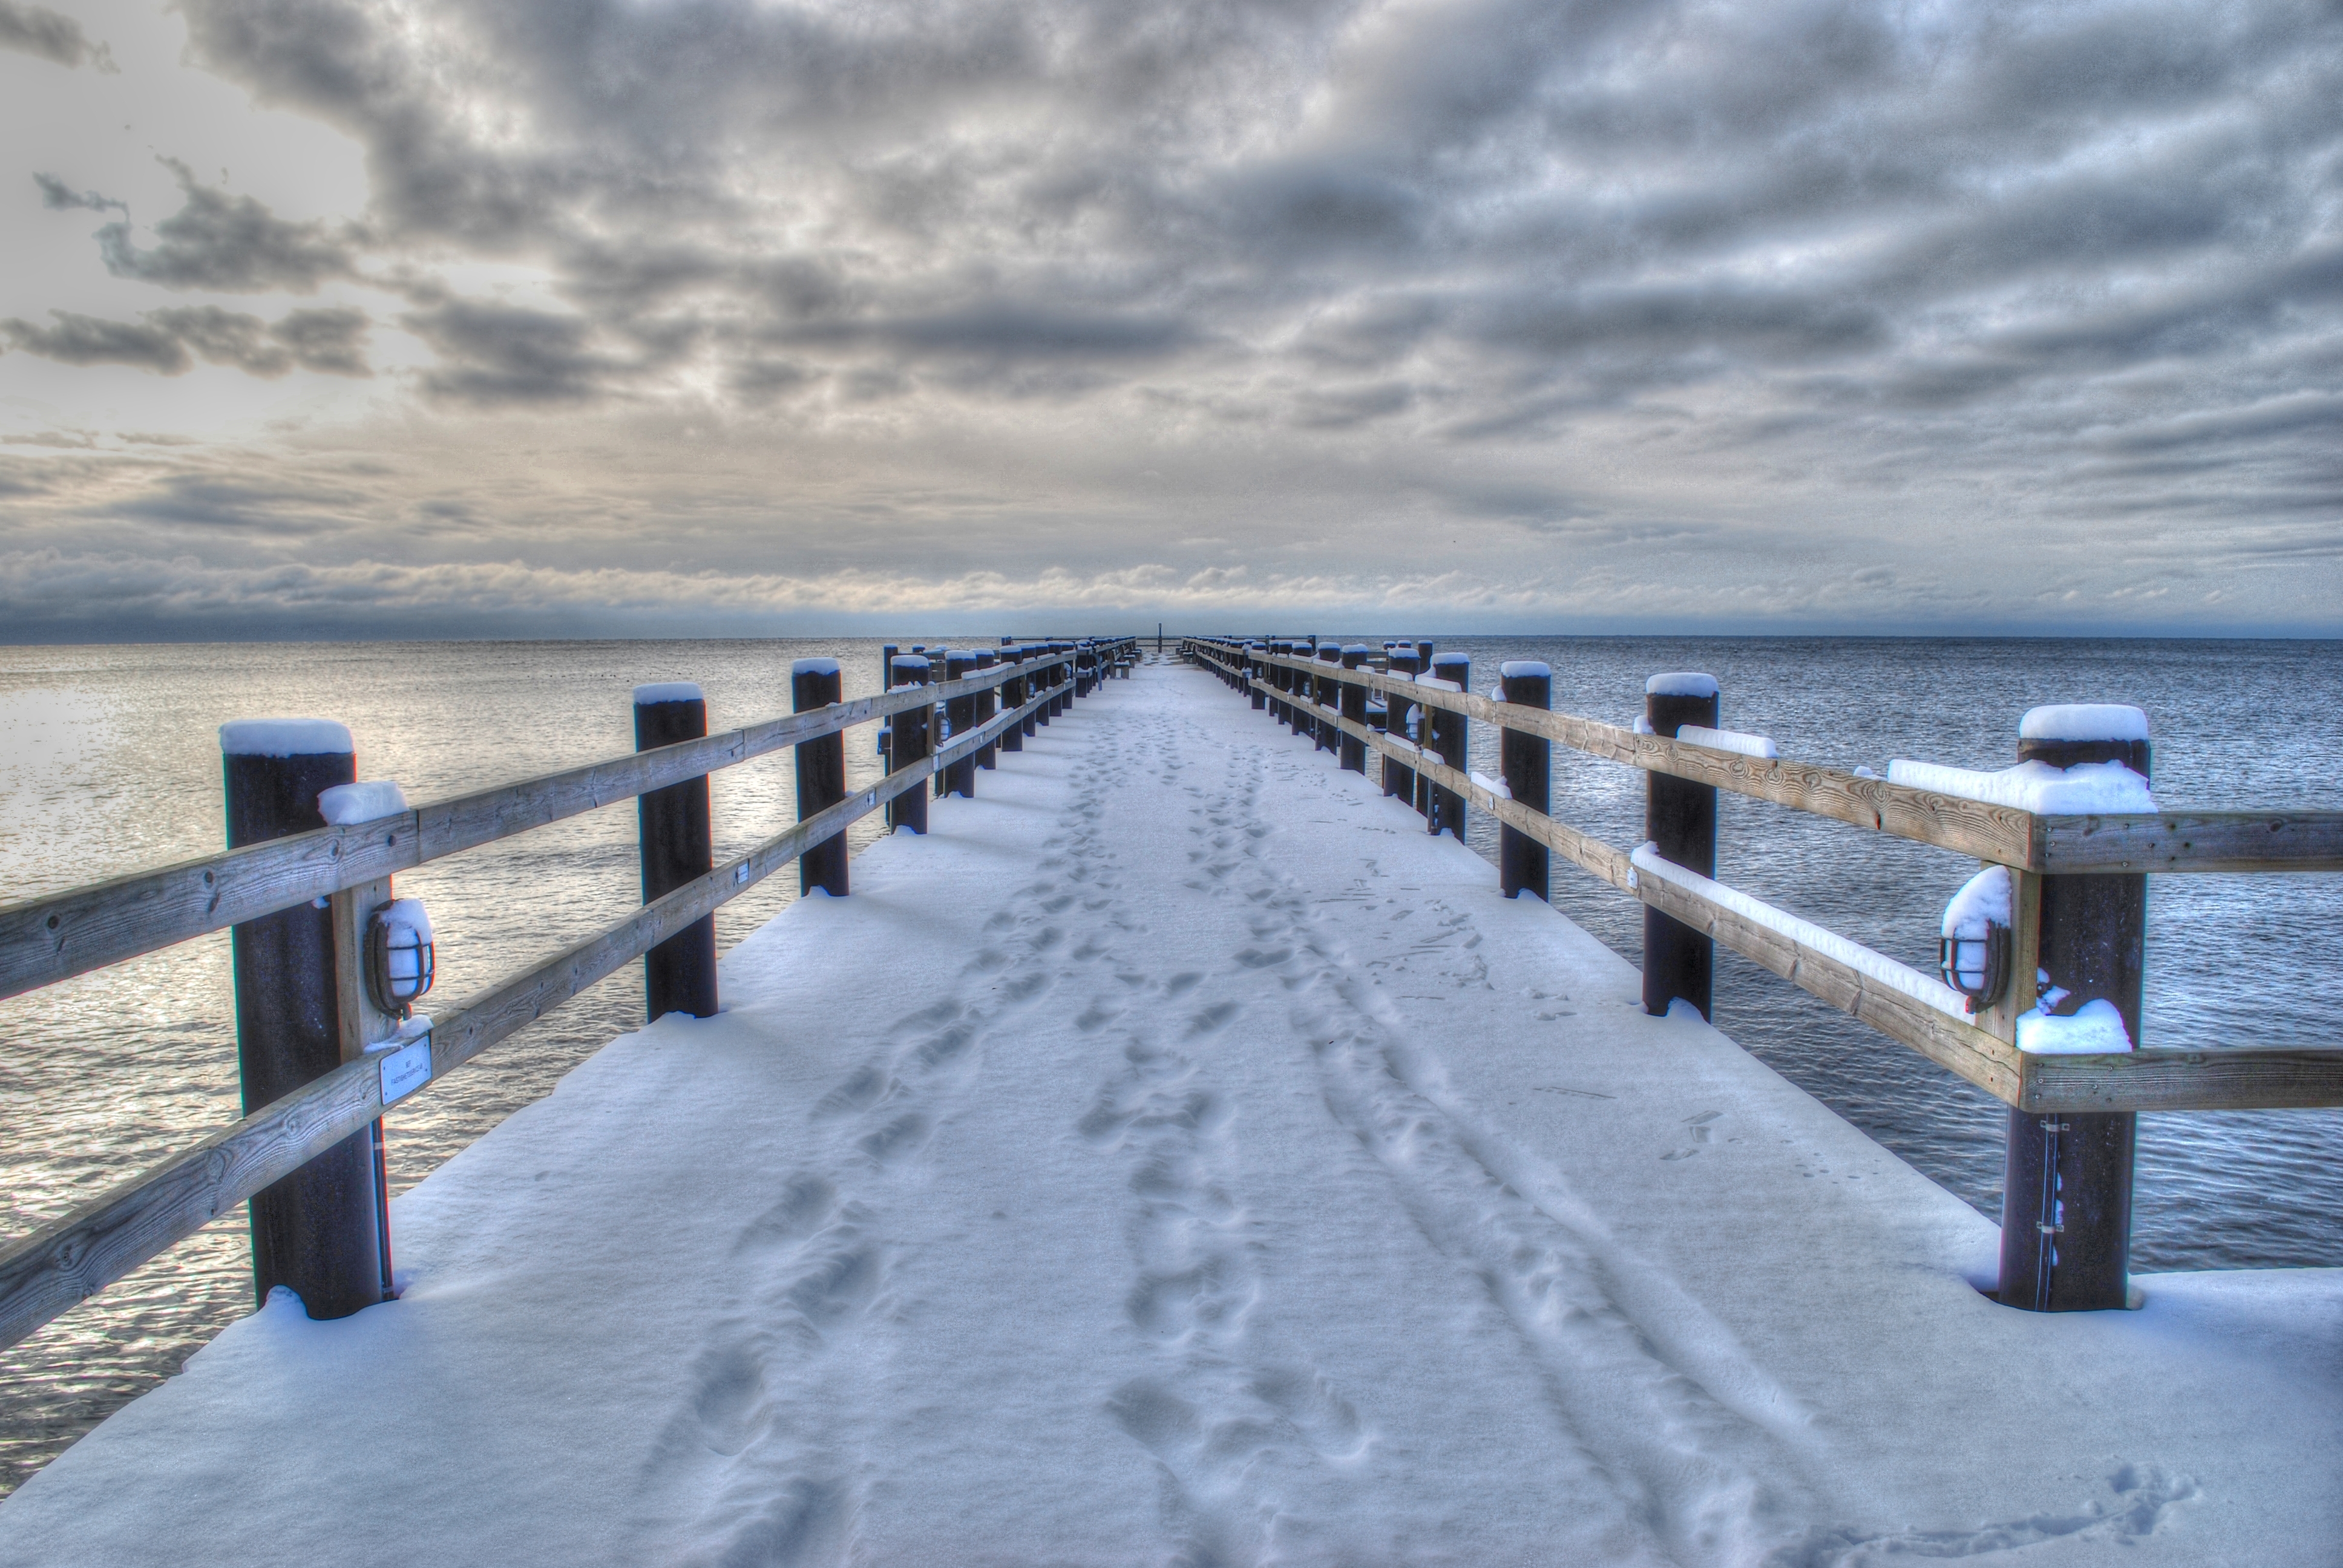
{"x": 2230, "y": 1078}
{"x": 2006, "y": 835}
{"x": 55, "y": 938}
{"x": 67, "y": 1261}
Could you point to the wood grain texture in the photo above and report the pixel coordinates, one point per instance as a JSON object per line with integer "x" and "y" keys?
{"x": 2211, "y": 841}
{"x": 43, "y": 941}
{"x": 2248, "y": 1078}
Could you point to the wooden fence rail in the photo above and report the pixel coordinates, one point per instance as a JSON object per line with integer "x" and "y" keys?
{"x": 46, "y": 939}
{"x": 2005, "y": 835}
{"x": 73, "y": 1257}
{"x": 2244, "y": 1078}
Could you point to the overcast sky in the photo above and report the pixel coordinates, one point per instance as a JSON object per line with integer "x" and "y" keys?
{"x": 343, "y": 317}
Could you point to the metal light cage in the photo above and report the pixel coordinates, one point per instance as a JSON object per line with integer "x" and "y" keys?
{"x": 1976, "y": 967}
{"x": 398, "y": 968}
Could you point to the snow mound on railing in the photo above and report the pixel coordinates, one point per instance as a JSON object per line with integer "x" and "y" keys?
{"x": 1747, "y": 745}
{"x": 346, "y": 803}
{"x": 1871, "y": 965}
{"x": 2088, "y": 789}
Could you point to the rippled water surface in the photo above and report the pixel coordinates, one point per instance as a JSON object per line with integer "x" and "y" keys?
{"x": 108, "y": 764}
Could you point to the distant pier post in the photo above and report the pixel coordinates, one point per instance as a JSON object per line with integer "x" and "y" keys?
{"x": 959, "y": 778}
{"x": 677, "y": 846}
{"x": 988, "y": 705}
{"x": 1012, "y": 698}
{"x": 910, "y": 809}
{"x": 1398, "y": 777}
{"x": 1327, "y": 693}
{"x": 318, "y": 1230}
{"x": 1450, "y": 740}
{"x": 816, "y": 683}
{"x": 1680, "y": 819}
{"x": 2066, "y": 1180}
{"x": 1526, "y": 762}
{"x": 1354, "y": 708}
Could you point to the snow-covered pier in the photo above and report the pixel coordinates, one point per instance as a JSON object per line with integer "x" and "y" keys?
{"x": 1176, "y": 1155}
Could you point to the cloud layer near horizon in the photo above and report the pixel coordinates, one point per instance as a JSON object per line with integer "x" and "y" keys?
{"x": 1500, "y": 313}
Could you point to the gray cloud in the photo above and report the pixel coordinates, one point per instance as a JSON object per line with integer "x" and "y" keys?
{"x": 231, "y": 244}
{"x": 39, "y": 31}
{"x": 76, "y": 339}
{"x": 329, "y": 341}
{"x": 58, "y": 197}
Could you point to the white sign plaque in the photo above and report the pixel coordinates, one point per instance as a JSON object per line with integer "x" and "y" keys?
{"x": 406, "y": 1069}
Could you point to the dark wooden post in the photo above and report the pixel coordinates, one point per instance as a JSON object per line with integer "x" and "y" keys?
{"x": 1061, "y": 687}
{"x": 1012, "y": 698}
{"x": 910, "y": 809}
{"x": 959, "y": 778}
{"x": 2066, "y": 1180}
{"x": 1399, "y": 778}
{"x": 1449, "y": 738}
{"x": 987, "y": 707}
{"x": 1327, "y": 692}
{"x": 1526, "y": 761}
{"x": 319, "y": 1232}
{"x": 816, "y": 683}
{"x": 677, "y": 845}
{"x": 1255, "y": 670}
{"x": 1278, "y": 709}
{"x": 1354, "y": 708}
{"x": 1680, "y": 817}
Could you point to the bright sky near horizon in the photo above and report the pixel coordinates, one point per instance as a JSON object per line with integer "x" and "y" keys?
{"x": 325, "y": 317}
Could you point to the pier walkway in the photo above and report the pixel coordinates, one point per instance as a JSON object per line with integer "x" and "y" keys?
{"x": 1177, "y": 1156}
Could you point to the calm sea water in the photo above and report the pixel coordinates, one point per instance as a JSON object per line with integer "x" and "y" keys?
{"x": 109, "y": 763}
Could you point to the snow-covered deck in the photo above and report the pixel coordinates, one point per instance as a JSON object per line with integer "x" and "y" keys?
{"x": 1179, "y": 1157}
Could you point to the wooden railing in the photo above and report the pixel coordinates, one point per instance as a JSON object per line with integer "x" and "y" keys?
{"x": 51, "y": 939}
{"x": 2067, "y": 1172}
{"x": 1985, "y": 1052}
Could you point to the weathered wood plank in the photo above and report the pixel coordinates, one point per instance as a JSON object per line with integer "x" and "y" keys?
{"x": 47, "y": 939}
{"x": 2192, "y": 841}
{"x": 2245, "y": 1077}
{"x": 70, "y": 1260}
{"x": 1998, "y": 833}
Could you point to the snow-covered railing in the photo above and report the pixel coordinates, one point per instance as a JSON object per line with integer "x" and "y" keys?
{"x": 1981, "y": 1050}
{"x": 2077, "y": 802}
{"x": 347, "y": 866}
{"x": 2061, "y": 842}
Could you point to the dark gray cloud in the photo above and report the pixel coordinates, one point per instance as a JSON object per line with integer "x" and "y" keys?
{"x": 75, "y": 340}
{"x": 331, "y": 341}
{"x": 221, "y": 243}
{"x": 58, "y": 197}
{"x": 39, "y": 31}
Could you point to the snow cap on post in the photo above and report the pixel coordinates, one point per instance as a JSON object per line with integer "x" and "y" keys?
{"x": 814, "y": 667}
{"x": 284, "y": 738}
{"x": 668, "y": 691}
{"x": 1441, "y": 661}
{"x": 1681, "y": 683}
{"x": 2084, "y": 721}
{"x": 1359, "y": 647}
{"x": 1525, "y": 670}
{"x": 910, "y": 661}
